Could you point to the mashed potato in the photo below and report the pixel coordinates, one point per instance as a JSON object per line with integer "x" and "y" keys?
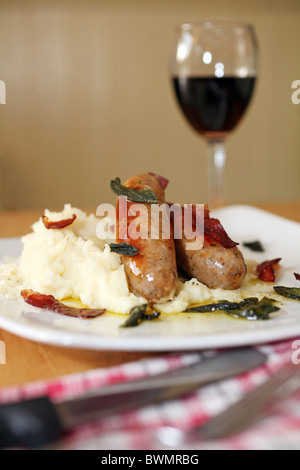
{"x": 74, "y": 263}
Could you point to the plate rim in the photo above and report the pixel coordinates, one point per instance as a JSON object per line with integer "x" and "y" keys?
{"x": 82, "y": 340}
{"x": 89, "y": 342}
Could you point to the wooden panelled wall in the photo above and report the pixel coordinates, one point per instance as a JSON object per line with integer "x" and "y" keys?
{"x": 88, "y": 98}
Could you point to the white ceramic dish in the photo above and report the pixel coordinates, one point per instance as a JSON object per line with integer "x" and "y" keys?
{"x": 280, "y": 238}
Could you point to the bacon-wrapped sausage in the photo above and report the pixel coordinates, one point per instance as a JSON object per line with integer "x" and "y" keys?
{"x": 152, "y": 273}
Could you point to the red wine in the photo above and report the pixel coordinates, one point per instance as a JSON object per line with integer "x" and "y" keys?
{"x": 213, "y": 106}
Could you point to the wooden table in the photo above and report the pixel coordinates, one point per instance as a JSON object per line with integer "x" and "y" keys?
{"x": 27, "y": 361}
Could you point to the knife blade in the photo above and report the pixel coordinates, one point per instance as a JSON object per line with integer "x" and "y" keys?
{"x": 38, "y": 422}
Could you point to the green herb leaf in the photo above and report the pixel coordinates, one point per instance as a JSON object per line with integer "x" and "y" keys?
{"x": 145, "y": 196}
{"x": 254, "y": 246}
{"x": 288, "y": 292}
{"x": 224, "y": 305}
{"x": 138, "y": 314}
{"x": 260, "y": 311}
{"x": 124, "y": 249}
{"x": 250, "y": 309}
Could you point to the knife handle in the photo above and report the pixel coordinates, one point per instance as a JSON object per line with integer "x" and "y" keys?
{"x": 29, "y": 424}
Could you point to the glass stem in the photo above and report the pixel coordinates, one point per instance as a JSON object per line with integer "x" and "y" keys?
{"x": 216, "y": 165}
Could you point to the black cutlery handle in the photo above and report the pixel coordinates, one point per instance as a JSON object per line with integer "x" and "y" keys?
{"x": 29, "y": 424}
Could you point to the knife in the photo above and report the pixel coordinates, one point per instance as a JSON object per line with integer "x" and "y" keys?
{"x": 39, "y": 422}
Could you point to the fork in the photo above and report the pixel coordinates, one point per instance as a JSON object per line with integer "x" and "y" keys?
{"x": 242, "y": 415}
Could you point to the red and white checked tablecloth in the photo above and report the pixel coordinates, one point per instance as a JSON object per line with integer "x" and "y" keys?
{"x": 135, "y": 430}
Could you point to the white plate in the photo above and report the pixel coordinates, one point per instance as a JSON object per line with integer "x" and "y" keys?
{"x": 280, "y": 238}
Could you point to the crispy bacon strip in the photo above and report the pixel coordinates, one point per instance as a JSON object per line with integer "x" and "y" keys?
{"x": 162, "y": 181}
{"x": 297, "y": 276}
{"x": 214, "y": 232}
{"x": 266, "y": 270}
{"x": 58, "y": 224}
{"x": 48, "y": 302}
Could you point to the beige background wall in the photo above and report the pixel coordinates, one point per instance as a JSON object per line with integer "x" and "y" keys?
{"x": 89, "y": 99}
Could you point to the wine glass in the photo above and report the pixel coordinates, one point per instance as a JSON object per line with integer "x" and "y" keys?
{"x": 213, "y": 71}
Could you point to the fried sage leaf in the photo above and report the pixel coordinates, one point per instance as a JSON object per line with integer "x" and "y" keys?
{"x": 144, "y": 196}
{"x": 139, "y": 314}
{"x": 259, "y": 311}
{"x": 223, "y": 305}
{"x": 250, "y": 308}
{"x": 254, "y": 246}
{"x": 288, "y": 292}
{"x": 124, "y": 249}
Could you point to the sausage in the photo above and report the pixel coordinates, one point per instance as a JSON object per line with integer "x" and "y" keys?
{"x": 152, "y": 273}
{"x": 214, "y": 265}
